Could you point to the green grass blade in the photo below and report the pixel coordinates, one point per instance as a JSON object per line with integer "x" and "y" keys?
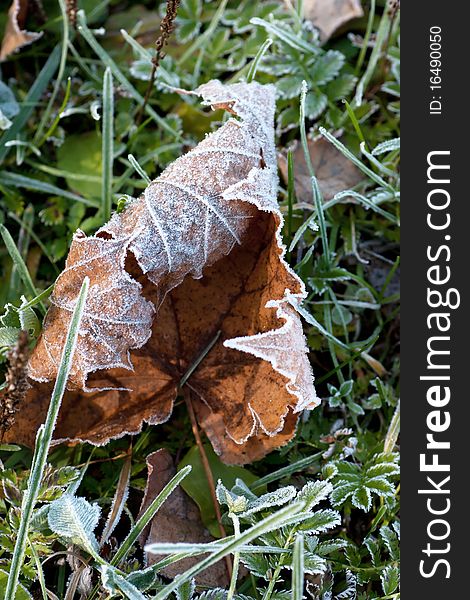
{"x": 34, "y": 236}
{"x": 60, "y": 74}
{"x": 26, "y": 225}
{"x": 348, "y": 154}
{"x": 298, "y": 568}
{"x": 58, "y": 116}
{"x": 367, "y": 202}
{"x": 354, "y": 121}
{"x": 292, "y": 40}
{"x": 43, "y": 442}
{"x": 20, "y": 266}
{"x": 299, "y": 465}
{"x": 381, "y": 37}
{"x": 291, "y": 197}
{"x": 107, "y": 145}
{"x": 28, "y": 183}
{"x": 147, "y": 516}
{"x": 29, "y": 104}
{"x": 132, "y": 159}
{"x": 257, "y": 59}
{"x": 365, "y": 41}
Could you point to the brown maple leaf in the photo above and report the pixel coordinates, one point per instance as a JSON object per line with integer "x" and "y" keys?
{"x": 197, "y": 258}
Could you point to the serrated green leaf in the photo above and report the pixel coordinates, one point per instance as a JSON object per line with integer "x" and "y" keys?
{"x": 315, "y": 104}
{"x": 342, "y": 492}
{"x": 322, "y": 520}
{"x": 391, "y": 541}
{"x": 314, "y": 492}
{"x": 271, "y": 499}
{"x": 257, "y": 564}
{"x": 380, "y": 484}
{"x": 362, "y": 499}
{"x": 390, "y": 578}
{"x": 373, "y": 546}
{"x": 113, "y": 582}
{"x": 326, "y": 67}
{"x": 341, "y": 86}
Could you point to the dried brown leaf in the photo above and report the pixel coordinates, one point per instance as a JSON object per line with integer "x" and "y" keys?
{"x": 15, "y": 37}
{"x": 177, "y": 521}
{"x": 201, "y": 249}
{"x": 335, "y": 173}
{"x": 329, "y": 15}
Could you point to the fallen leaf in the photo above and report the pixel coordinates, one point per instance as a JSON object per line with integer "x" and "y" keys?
{"x": 335, "y": 173}
{"x": 329, "y": 15}
{"x": 177, "y": 521}
{"x": 201, "y": 249}
{"x": 14, "y": 37}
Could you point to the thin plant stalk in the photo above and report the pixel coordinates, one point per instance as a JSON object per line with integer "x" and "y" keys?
{"x": 277, "y": 571}
{"x": 43, "y": 442}
{"x": 236, "y": 558}
{"x": 125, "y": 83}
{"x": 167, "y": 26}
{"x": 365, "y": 43}
{"x": 107, "y": 145}
{"x": 63, "y": 60}
{"x": 207, "y": 470}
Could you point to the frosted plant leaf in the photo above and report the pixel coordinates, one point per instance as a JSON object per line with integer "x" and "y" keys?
{"x": 277, "y": 498}
{"x": 75, "y": 519}
{"x": 114, "y": 582}
{"x": 196, "y": 262}
{"x": 350, "y": 593}
{"x": 314, "y": 492}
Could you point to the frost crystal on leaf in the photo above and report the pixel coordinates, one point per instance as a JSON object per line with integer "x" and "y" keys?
{"x": 197, "y": 257}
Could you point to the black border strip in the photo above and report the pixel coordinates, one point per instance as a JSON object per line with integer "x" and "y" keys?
{"x": 435, "y": 568}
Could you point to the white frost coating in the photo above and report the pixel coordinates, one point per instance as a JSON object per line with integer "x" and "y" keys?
{"x": 286, "y": 350}
{"x": 187, "y": 219}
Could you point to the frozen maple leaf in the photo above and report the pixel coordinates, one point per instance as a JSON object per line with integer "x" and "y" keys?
{"x": 14, "y": 37}
{"x": 195, "y": 262}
